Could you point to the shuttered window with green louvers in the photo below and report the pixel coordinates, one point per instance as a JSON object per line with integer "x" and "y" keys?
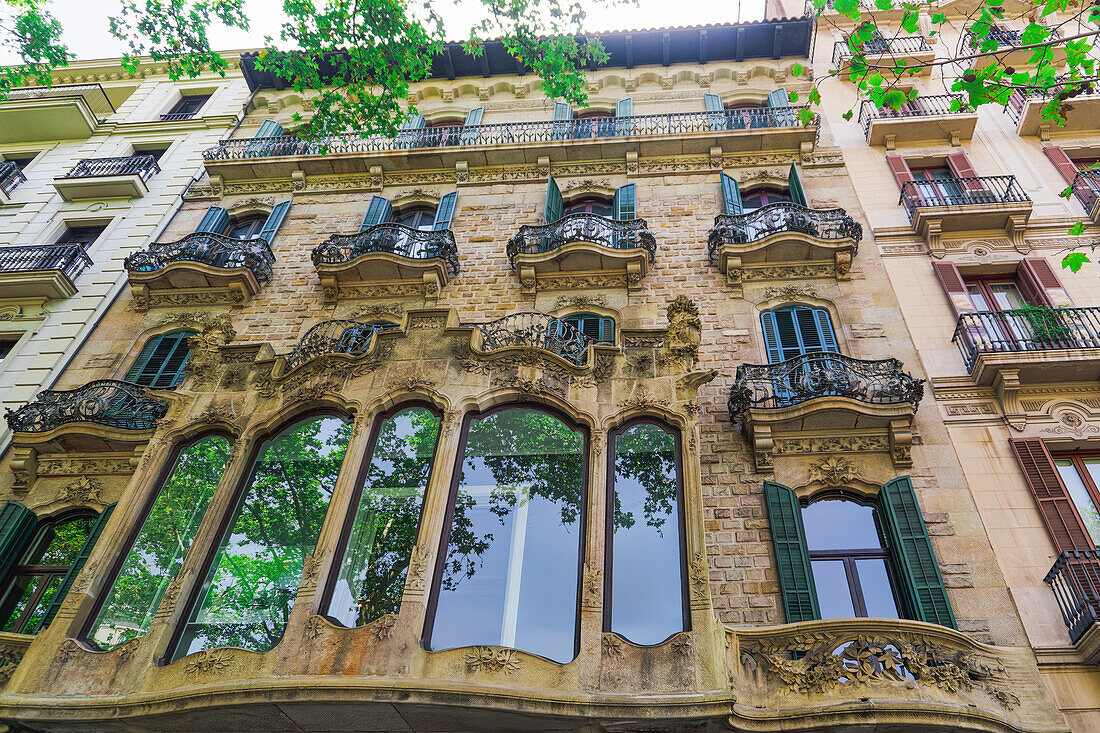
{"x": 162, "y": 360}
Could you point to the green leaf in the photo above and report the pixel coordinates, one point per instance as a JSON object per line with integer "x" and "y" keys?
{"x": 797, "y": 69}
{"x": 1074, "y": 261}
{"x": 939, "y": 18}
{"x": 815, "y": 96}
{"x": 847, "y": 115}
{"x": 1077, "y": 229}
{"x": 909, "y": 22}
{"x": 793, "y": 96}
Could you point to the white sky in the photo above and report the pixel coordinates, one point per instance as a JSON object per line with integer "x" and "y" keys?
{"x": 88, "y": 36}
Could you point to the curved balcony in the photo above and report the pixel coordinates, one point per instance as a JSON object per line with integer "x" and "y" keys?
{"x": 386, "y": 258}
{"x": 582, "y": 249}
{"x": 784, "y": 240}
{"x": 350, "y": 338}
{"x": 200, "y": 268}
{"x": 92, "y": 178}
{"x": 535, "y": 331}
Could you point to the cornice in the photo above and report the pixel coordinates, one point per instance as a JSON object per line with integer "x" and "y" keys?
{"x": 206, "y": 122}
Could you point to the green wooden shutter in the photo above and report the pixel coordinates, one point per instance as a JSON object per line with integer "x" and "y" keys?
{"x": 274, "y": 221}
{"x": 717, "y": 117}
{"x": 771, "y": 337}
{"x": 161, "y": 361}
{"x": 445, "y": 212}
{"x": 794, "y": 183}
{"x": 624, "y": 203}
{"x": 215, "y": 221}
{"x": 17, "y": 524}
{"x": 912, "y": 554}
{"x": 470, "y": 128}
{"x": 269, "y": 128}
{"x": 796, "y": 579}
{"x": 731, "y": 196}
{"x": 78, "y": 563}
{"x": 555, "y": 204}
{"x": 607, "y": 330}
{"x": 378, "y": 212}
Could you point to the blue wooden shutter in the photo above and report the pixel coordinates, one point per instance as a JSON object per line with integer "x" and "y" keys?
{"x": 445, "y": 212}
{"x": 771, "y": 337}
{"x": 912, "y": 554}
{"x": 717, "y": 117}
{"x": 274, "y": 221}
{"x": 779, "y": 98}
{"x": 624, "y": 203}
{"x": 270, "y": 128}
{"x": 410, "y": 131}
{"x": 17, "y": 525}
{"x": 215, "y": 221}
{"x": 825, "y": 330}
{"x": 555, "y": 204}
{"x": 796, "y": 579}
{"x": 794, "y": 183}
{"x": 780, "y": 103}
{"x": 471, "y": 131}
{"x": 597, "y": 328}
{"x": 731, "y": 196}
{"x": 624, "y": 113}
{"x": 378, "y": 212}
{"x": 161, "y": 361}
{"x": 414, "y": 122}
{"x": 78, "y": 563}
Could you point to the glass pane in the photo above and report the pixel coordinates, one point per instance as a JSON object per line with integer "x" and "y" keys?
{"x": 372, "y": 575}
{"x": 59, "y": 543}
{"x": 874, "y": 581}
{"x": 513, "y": 554}
{"x": 18, "y": 595}
{"x": 646, "y": 584}
{"x": 977, "y": 298}
{"x": 836, "y": 524}
{"x": 164, "y": 538}
{"x": 255, "y": 575}
{"x": 1007, "y": 295}
{"x": 834, "y": 596}
{"x": 1080, "y": 495}
{"x": 34, "y": 621}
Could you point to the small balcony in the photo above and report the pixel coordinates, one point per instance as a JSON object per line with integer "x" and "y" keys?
{"x": 1025, "y": 107}
{"x": 784, "y": 240}
{"x": 95, "y": 178}
{"x": 345, "y": 338}
{"x": 931, "y": 117}
{"x": 201, "y": 268}
{"x": 535, "y": 331}
{"x": 966, "y": 204}
{"x": 1086, "y": 187}
{"x": 1010, "y": 47}
{"x": 386, "y": 259}
{"x": 910, "y": 51}
{"x": 582, "y": 250}
{"x": 825, "y": 392}
{"x": 1075, "y": 580}
{"x": 41, "y": 271}
{"x": 70, "y": 112}
{"x": 10, "y": 178}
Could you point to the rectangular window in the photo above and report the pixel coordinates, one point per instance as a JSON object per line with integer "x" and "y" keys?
{"x": 6, "y": 347}
{"x": 187, "y": 106}
{"x": 81, "y": 235}
{"x": 22, "y": 161}
{"x": 1080, "y": 473}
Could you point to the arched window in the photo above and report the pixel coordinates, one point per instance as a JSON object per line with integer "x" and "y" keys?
{"x": 508, "y": 572}
{"x": 598, "y": 205}
{"x": 597, "y": 328}
{"x": 246, "y": 227}
{"x": 255, "y": 572}
{"x": 421, "y": 217}
{"x": 795, "y": 331}
{"x": 378, "y": 537}
{"x": 155, "y": 553}
{"x": 761, "y": 197}
{"x": 161, "y": 361}
{"x": 645, "y": 600}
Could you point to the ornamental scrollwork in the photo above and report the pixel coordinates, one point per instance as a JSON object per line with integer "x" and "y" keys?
{"x": 209, "y": 661}
{"x": 493, "y": 659}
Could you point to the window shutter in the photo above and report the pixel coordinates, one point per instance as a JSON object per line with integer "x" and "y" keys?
{"x": 409, "y": 132}
{"x": 17, "y": 524}
{"x": 624, "y": 113}
{"x": 779, "y": 98}
{"x": 624, "y": 203}
{"x": 161, "y": 361}
{"x": 912, "y": 553}
{"x": 960, "y": 165}
{"x": 473, "y": 117}
{"x": 899, "y": 169}
{"x": 445, "y": 211}
{"x": 378, "y": 212}
{"x": 142, "y": 360}
{"x": 792, "y": 561}
{"x": 274, "y": 221}
{"x": 269, "y": 128}
{"x": 731, "y": 196}
{"x": 780, "y": 102}
{"x": 624, "y": 107}
{"x": 555, "y": 204}
{"x": 78, "y": 563}
{"x": 953, "y": 287}
{"x": 562, "y": 111}
{"x": 794, "y": 182}
{"x": 1055, "y": 506}
{"x": 1066, "y": 167}
{"x": 414, "y": 122}
{"x": 607, "y": 330}
{"x": 771, "y": 337}
{"x": 825, "y": 330}
{"x": 717, "y": 110}
{"x": 215, "y": 221}
{"x": 470, "y": 130}
{"x": 1036, "y": 273}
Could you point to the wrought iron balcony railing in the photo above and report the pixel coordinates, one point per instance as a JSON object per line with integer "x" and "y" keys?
{"x": 512, "y": 133}
{"x": 70, "y": 259}
{"x": 822, "y": 374}
{"x": 175, "y": 116}
{"x": 93, "y": 95}
{"x": 1086, "y": 187}
{"x": 536, "y": 330}
{"x": 961, "y": 192}
{"x": 582, "y": 227}
{"x": 217, "y": 250}
{"x": 106, "y": 402}
{"x": 933, "y": 105}
{"x": 145, "y": 166}
{"x": 785, "y": 216}
{"x": 352, "y": 338}
{"x": 10, "y": 176}
{"x": 394, "y": 238}
{"x": 900, "y": 46}
{"x": 1004, "y": 38}
{"x": 1019, "y": 99}
{"x": 1026, "y": 329}
{"x": 1075, "y": 580}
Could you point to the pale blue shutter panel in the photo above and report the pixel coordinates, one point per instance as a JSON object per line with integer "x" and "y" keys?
{"x": 410, "y": 131}
{"x": 270, "y": 128}
{"x": 731, "y": 196}
{"x": 555, "y": 204}
{"x": 716, "y": 116}
{"x": 624, "y": 111}
{"x": 378, "y": 212}
{"x": 624, "y": 203}
{"x": 780, "y": 102}
{"x": 215, "y": 221}
{"x": 445, "y": 212}
{"x": 274, "y": 221}
{"x": 563, "y": 113}
{"x": 471, "y": 131}
{"x": 794, "y": 183}
{"x": 825, "y": 330}
{"x": 78, "y": 564}
{"x": 779, "y": 98}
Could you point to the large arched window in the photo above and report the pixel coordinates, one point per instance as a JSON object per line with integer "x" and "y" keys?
{"x": 508, "y": 573}
{"x": 253, "y": 577}
{"x": 645, "y": 600}
{"x": 378, "y": 538}
{"x": 162, "y": 360}
{"x": 156, "y": 551}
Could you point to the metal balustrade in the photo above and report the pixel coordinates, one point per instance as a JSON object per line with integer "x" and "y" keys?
{"x": 1005, "y": 38}
{"x": 785, "y": 216}
{"x": 536, "y": 330}
{"x": 176, "y": 116}
{"x": 145, "y": 166}
{"x": 821, "y": 374}
{"x": 108, "y": 402}
{"x": 390, "y": 237}
{"x": 900, "y": 46}
{"x": 1026, "y": 329}
{"x": 933, "y": 105}
{"x": 1086, "y": 187}
{"x": 10, "y": 176}
{"x": 961, "y": 192}
{"x": 1020, "y": 98}
{"x": 582, "y": 227}
{"x": 92, "y": 94}
{"x": 352, "y": 338}
{"x": 511, "y": 133}
{"x": 217, "y": 250}
{"x": 70, "y": 259}
{"x": 1075, "y": 580}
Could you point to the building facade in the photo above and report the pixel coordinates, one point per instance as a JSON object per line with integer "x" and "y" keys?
{"x": 535, "y": 418}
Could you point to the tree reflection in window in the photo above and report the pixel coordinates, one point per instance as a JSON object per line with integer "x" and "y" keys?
{"x": 514, "y": 541}
{"x": 158, "y": 550}
{"x": 383, "y": 530}
{"x": 255, "y": 574}
{"x": 646, "y": 598}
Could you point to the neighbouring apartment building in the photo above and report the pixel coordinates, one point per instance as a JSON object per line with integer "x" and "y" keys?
{"x": 638, "y": 416}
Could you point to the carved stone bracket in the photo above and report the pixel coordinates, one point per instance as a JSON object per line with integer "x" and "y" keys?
{"x": 1007, "y": 386}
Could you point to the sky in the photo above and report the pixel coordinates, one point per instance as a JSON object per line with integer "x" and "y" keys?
{"x": 88, "y": 37}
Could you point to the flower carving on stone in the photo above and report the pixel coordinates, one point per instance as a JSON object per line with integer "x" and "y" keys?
{"x": 612, "y": 645}
{"x": 82, "y": 491}
{"x": 383, "y": 627}
{"x": 315, "y": 625}
{"x": 207, "y": 662}
{"x": 833, "y": 471}
{"x": 493, "y": 659}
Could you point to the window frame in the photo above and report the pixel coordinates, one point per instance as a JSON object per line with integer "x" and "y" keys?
{"x": 252, "y": 220}
{"x": 1083, "y": 473}
{"x": 585, "y": 205}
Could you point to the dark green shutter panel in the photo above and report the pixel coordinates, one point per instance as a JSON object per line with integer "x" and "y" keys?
{"x": 445, "y": 212}
{"x": 161, "y": 361}
{"x": 471, "y": 130}
{"x": 607, "y": 330}
{"x": 378, "y": 212}
{"x": 555, "y": 204}
{"x": 17, "y": 524}
{"x": 794, "y": 183}
{"x": 78, "y": 563}
{"x": 274, "y": 221}
{"x": 215, "y": 221}
{"x": 912, "y": 553}
{"x": 771, "y": 337}
{"x": 270, "y": 128}
{"x": 731, "y": 196}
{"x": 796, "y": 580}
{"x": 624, "y": 203}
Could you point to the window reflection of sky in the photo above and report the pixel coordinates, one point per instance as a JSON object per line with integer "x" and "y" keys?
{"x": 840, "y": 525}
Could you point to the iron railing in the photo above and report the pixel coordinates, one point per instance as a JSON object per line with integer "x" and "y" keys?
{"x": 1005, "y": 38}
{"x": 106, "y": 402}
{"x": 1026, "y": 329}
{"x": 900, "y": 46}
{"x": 933, "y": 105}
{"x": 92, "y": 94}
{"x": 784, "y": 216}
{"x": 10, "y": 176}
{"x": 390, "y": 237}
{"x": 582, "y": 227}
{"x": 70, "y": 259}
{"x": 1086, "y": 187}
{"x": 961, "y": 192}
{"x": 822, "y": 374}
{"x": 217, "y": 250}
{"x": 145, "y": 166}
{"x": 515, "y": 132}
{"x": 1075, "y": 580}
{"x": 176, "y": 116}
{"x": 353, "y": 338}
{"x": 536, "y": 330}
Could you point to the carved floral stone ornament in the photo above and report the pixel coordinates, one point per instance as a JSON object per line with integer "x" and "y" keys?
{"x": 82, "y": 491}
{"x": 493, "y": 659}
{"x": 207, "y": 662}
{"x": 833, "y": 471}
{"x": 612, "y": 645}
